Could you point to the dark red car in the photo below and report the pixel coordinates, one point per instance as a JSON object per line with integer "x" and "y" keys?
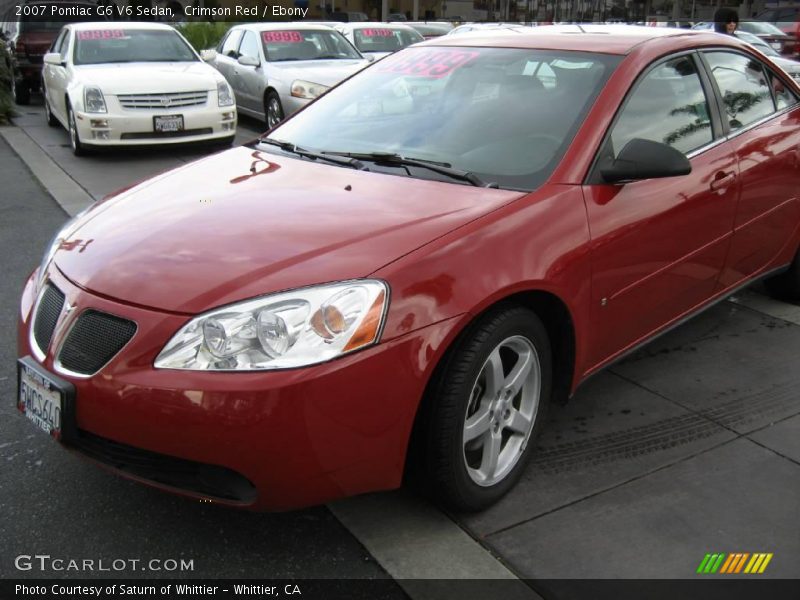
{"x": 407, "y": 272}
{"x": 30, "y": 28}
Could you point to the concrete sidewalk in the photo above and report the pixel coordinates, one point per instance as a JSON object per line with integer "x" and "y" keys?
{"x": 689, "y": 447}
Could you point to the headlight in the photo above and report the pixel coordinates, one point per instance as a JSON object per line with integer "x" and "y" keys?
{"x": 93, "y": 100}
{"x": 286, "y": 330}
{"x": 65, "y": 232}
{"x": 307, "y": 90}
{"x": 224, "y": 94}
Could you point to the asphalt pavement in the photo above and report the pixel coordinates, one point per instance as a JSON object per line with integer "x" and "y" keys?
{"x": 687, "y": 448}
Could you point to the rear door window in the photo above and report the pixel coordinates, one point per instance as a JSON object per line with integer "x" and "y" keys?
{"x": 744, "y": 87}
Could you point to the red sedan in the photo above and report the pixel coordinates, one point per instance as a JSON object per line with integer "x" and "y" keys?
{"x": 407, "y": 272}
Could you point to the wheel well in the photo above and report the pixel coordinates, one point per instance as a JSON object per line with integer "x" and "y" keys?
{"x": 557, "y": 320}
{"x": 267, "y": 92}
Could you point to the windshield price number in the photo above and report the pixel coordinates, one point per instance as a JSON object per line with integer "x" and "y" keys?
{"x": 40, "y": 401}
{"x": 101, "y": 34}
{"x": 286, "y": 37}
{"x": 168, "y": 124}
{"x": 378, "y": 33}
{"x": 433, "y": 64}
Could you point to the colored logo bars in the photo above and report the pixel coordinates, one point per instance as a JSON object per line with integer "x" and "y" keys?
{"x": 734, "y": 563}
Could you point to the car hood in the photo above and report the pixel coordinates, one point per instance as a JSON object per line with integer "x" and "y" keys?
{"x": 327, "y": 72}
{"x": 148, "y": 77}
{"x": 245, "y": 223}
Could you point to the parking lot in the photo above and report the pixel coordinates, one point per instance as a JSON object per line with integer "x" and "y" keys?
{"x": 690, "y": 446}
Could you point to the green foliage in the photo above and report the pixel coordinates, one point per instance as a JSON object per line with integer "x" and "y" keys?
{"x": 204, "y": 34}
{"x": 6, "y": 103}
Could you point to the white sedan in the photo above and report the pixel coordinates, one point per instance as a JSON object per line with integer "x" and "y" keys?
{"x": 132, "y": 83}
{"x": 379, "y": 39}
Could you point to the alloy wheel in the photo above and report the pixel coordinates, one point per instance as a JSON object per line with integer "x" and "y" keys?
{"x": 502, "y": 410}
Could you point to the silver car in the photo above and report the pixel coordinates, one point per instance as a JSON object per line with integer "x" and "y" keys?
{"x": 276, "y": 69}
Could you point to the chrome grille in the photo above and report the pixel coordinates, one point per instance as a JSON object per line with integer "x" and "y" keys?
{"x": 47, "y": 313}
{"x": 94, "y": 340}
{"x": 162, "y": 101}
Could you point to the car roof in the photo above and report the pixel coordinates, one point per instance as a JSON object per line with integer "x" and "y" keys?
{"x": 376, "y": 25}
{"x": 605, "y": 39}
{"x": 120, "y": 25}
{"x": 292, "y": 25}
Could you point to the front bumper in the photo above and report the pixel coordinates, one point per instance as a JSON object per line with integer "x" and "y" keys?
{"x": 135, "y": 127}
{"x": 298, "y": 437}
{"x": 292, "y": 104}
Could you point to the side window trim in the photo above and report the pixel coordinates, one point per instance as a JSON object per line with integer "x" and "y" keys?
{"x": 593, "y": 176}
{"x": 239, "y": 45}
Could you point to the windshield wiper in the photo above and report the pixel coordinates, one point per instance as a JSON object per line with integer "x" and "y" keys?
{"x": 390, "y": 158}
{"x": 294, "y": 149}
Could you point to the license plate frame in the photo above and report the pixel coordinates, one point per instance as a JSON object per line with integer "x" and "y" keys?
{"x": 168, "y": 123}
{"x": 46, "y": 400}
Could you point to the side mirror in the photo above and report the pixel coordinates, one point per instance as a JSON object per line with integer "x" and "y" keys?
{"x": 249, "y": 61}
{"x": 208, "y": 55}
{"x": 645, "y": 159}
{"x": 53, "y": 58}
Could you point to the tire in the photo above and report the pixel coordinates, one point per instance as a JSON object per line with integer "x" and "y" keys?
{"x": 273, "y": 110}
{"x": 786, "y": 285}
{"x": 74, "y": 136}
{"x": 20, "y": 91}
{"x": 48, "y": 114}
{"x": 477, "y": 393}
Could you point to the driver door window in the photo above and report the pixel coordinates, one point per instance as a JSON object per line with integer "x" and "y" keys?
{"x": 667, "y": 106}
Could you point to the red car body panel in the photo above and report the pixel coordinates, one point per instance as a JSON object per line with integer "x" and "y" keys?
{"x": 283, "y": 430}
{"x": 252, "y": 223}
{"x": 304, "y": 224}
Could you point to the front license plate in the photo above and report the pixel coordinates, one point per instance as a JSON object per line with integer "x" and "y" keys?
{"x": 40, "y": 399}
{"x": 168, "y": 124}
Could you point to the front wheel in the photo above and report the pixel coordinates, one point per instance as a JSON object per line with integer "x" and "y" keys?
{"x": 74, "y": 136}
{"x": 489, "y": 400}
{"x": 786, "y": 285}
{"x": 20, "y": 91}
{"x": 273, "y": 109}
{"x": 48, "y": 113}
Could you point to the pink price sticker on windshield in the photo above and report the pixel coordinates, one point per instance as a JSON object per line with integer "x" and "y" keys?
{"x": 431, "y": 63}
{"x": 101, "y": 34}
{"x": 376, "y": 32}
{"x": 282, "y": 37}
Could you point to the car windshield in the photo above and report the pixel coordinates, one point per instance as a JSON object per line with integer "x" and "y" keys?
{"x": 306, "y": 44}
{"x": 505, "y": 115}
{"x": 123, "y": 45}
{"x": 760, "y": 28}
{"x": 379, "y": 39}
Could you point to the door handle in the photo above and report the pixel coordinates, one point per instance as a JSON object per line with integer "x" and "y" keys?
{"x": 722, "y": 180}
